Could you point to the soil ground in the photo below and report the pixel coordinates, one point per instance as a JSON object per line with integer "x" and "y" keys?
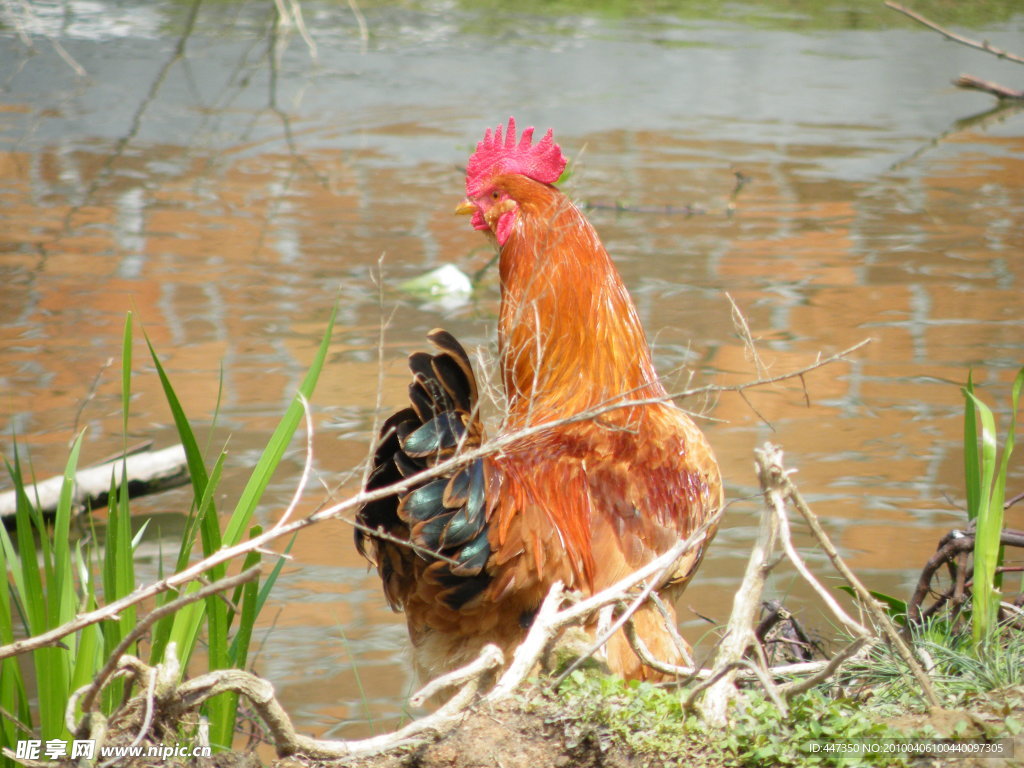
{"x": 513, "y": 736}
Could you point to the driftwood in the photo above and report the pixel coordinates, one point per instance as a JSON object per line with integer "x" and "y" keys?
{"x": 147, "y": 472}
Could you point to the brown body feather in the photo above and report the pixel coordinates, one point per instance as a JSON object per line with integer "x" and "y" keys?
{"x": 587, "y": 502}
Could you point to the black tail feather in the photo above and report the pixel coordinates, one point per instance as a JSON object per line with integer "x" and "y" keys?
{"x": 447, "y": 515}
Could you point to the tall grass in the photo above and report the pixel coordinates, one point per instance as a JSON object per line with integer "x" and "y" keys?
{"x": 48, "y": 580}
{"x": 985, "y": 480}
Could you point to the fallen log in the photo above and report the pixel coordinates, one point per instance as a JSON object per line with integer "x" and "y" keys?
{"x": 147, "y": 472}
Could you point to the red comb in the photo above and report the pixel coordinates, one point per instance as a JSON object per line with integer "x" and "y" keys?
{"x": 543, "y": 161}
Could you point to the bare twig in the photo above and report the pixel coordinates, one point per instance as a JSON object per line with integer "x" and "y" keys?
{"x": 972, "y": 83}
{"x": 543, "y": 631}
{"x": 364, "y": 32}
{"x": 307, "y": 466}
{"x": 673, "y": 630}
{"x": 147, "y": 721}
{"x": 759, "y": 671}
{"x": 879, "y": 616}
{"x": 688, "y": 673}
{"x": 359, "y": 499}
{"x": 739, "y": 322}
{"x": 291, "y": 15}
{"x": 490, "y": 658}
{"x": 716, "y": 675}
{"x": 90, "y": 394}
{"x": 165, "y": 697}
{"x": 739, "y": 633}
{"x": 952, "y": 547}
{"x": 983, "y": 45}
{"x": 89, "y": 693}
{"x": 851, "y": 624}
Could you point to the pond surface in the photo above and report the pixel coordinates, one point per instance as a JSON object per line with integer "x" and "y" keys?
{"x": 214, "y": 174}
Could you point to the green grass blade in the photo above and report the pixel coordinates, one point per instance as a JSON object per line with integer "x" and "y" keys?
{"x": 972, "y": 461}
{"x": 109, "y": 563}
{"x": 252, "y": 597}
{"x": 16, "y": 555}
{"x": 63, "y": 603}
{"x": 183, "y": 627}
{"x": 199, "y": 512}
{"x": 193, "y": 456}
{"x": 13, "y": 698}
{"x": 894, "y": 607}
{"x": 126, "y": 373}
{"x": 988, "y": 552}
{"x": 999, "y": 489}
{"x": 29, "y": 582}
{"x": 989, "y": 449}
{"x": 222, "y": 717}
{"x": 89, "y": 655}
{"x": 985, "y": 556}
{"x": 43, "y": 595}
{"x": 268, "y": 583}
{"x": 124, "y": 562}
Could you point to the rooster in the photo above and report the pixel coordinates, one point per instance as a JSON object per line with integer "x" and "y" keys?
{"x": 585, "y": 502}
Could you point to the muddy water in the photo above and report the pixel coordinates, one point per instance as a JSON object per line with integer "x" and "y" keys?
{"x": 213, "y": 176}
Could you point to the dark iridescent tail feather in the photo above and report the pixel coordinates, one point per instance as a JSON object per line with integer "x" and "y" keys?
{"x": 446, "y": 515}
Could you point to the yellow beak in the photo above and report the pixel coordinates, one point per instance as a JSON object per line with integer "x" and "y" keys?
{"x": 464, "y": 208}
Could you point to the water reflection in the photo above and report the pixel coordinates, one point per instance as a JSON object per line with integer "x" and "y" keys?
{"x": 213, "y": 177}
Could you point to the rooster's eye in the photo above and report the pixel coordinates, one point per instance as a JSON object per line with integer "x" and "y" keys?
{"x": 495, "y": 195}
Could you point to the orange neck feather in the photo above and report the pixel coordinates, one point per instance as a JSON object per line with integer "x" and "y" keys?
{"x": 568, "y": 332}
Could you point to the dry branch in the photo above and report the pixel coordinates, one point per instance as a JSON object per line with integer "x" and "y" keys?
{"x": 740, "y": 637}
{"x": 826, "y": 671}
{"x": 880, "y": 617}
{"x": 972, "y": 83}
{"x": 983, "y": 45}
{"x": 739, "y": 633}
{"x": 952, "y": 550}
{"x": 968, "y": 81}
{"x": 163, "y": 699}
{"x": 89, "y": 693}
{"x": 357, "y": 500}
{"x": 167, "y": 700}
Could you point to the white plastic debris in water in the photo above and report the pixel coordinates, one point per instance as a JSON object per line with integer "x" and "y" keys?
{"x": 446, "y": 286}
